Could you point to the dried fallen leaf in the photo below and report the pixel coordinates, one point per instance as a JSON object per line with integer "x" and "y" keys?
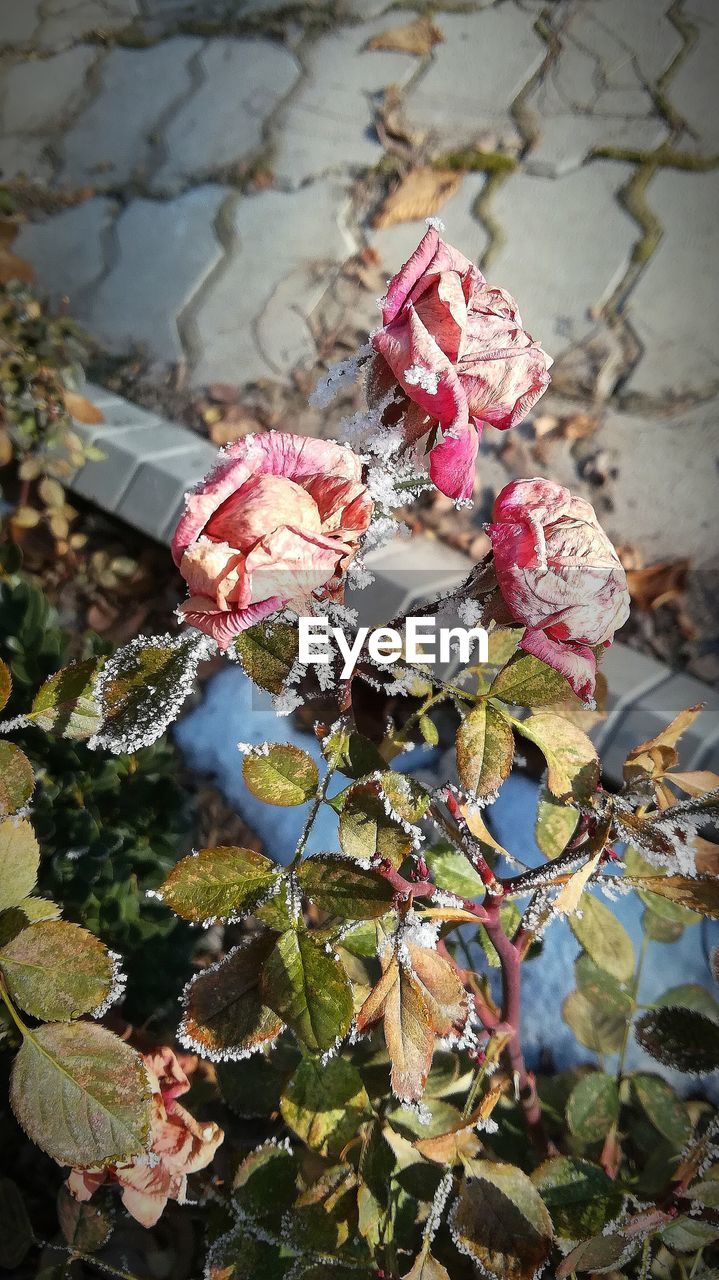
{"x": 5, "y": 448}
{"x": 420, "y": 194}
{"x": 14, "y": 268}
{"x": 657, "y": 584}
{"x": 82, "y": 409}
{"x": 417, "y": 37}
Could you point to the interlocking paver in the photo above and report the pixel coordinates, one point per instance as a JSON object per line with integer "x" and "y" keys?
{"x": 19, "y": 21}
{"x": 222, "y": 122}
{"x": 327, "y": 126}
{"x": 166, "y": 249}
{"x": 475, "y": 75}
{"x": 39, "y": 95}
{"x": 674, "y": 307}
{"x": 66, "y": 251}
{"x": 113, "y": 139}
{"x": 252, "y": 323}
{"x": 567, "y": 244}
{"x": 693, "y": 88}
{"x": 67, "y": 20}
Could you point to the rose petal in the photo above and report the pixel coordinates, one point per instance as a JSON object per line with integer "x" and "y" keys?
{"x": 224, "y": 625}
{"x": 451, "y": 464}
{"x": 575, "y": 661}
{"x": 261, "y": 504}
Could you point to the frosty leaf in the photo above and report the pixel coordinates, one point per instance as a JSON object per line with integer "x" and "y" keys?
{"x": 570, "y": 897}
{"x": 342, "y": 889}
{"x": 366, "y": 831}
{"x": 66, "y": 704}
{"x": 606, "y": 940}
{"x": 425, "y": 1267}
{"x": 680, "y": 1038}
{"x": 16, "y": 1233}
{"x": 324, "y": 1104}
{"x": 404, "y": 798}
{"x": 501, "y": 1221}
{"x": 356, "y": 756}
{"x": 451, "y": 1148}
{"x": 593, "y": 1106}
{"x": 686, "y": 1235}
{"x": 572, "y": 762}
{"x": 485, "y": 747}
{"x": 528, "y": 682}
{"x": 219, "y": 884}
{"x": 238, "y": 1255}
{"x": 555, "y": 825}
{"x": 81, "y": 1094}
{"x": 19, "y": 861}
{"x": 268, "y": 652}
{"x": 596, "y": 1027}
{"x": 598, "y": 1254}
{"x": 579, "y": 1196}
{"x": 265, "y": 1182}
{"x": 409, "y": 1036}
{"x": 691, "y": 895}
{"x": 663, "y": 1108}
{"x": 142, "y": 687}
{"x": 16, "y": 778}
{"x": 281, "y": 774}
{"x": 84, "y": 1226}
{"x": 5, "y": 684}
{"x": 56, "y": 970}
{"x": 453, "y": 871}
{"x": 308, "y": 988}
{"x": 225, "y": 1016}
{"x": 443, "y": 993}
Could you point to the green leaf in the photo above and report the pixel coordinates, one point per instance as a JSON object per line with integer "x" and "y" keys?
{"x": 658, "y": 929}
{"x": 453, "y": 871}
{"x": 485, "y": 748}
{"x": 56, "y": 971}
{"x": 223, "y": 883}
{"x": 19, "y": 861}
{"x": 600, "y": 988}
{"x": 16, "y": 1233}
{"x": 81, "y": 1094}
{"x": 680, "y": 1038}
{"x": 528, "y": 682}
{"x": 237, "y": 1255}
{"x": 572, "y": 762}
{"x": 85, "y": 1226}
{"x": 5, "y": 685}
{"x": 593, "y": 1106}
{"x": 280, "y": 774}
{"x": 66, "y": 704}
{"x": 142, "y": 687}
{"x": 342, "y": 889}
{"x": 253, "y": 1086}
{"x": 406, "y": 798}
{"x": 578, "y": 1194}
{"x": 268, "y": 652}
{"x": 324, "y": 1104}
{"x": 429, "y": 730}
{"x": 687, "y": 1235}
{"x": 690, "y": 995}
{"x": 365, "y": 829}
{"x": 598, "y": 1254}
{"x": 663, "y": 1108}
{"x": 502, "y": 1222}
{"x": 356, "y": 755}
{"x": 308, "y": 988}
{"x": 555, "y": 825}
{"x": 265, "y": 1183}
{"x": 604, "y": 938}
{"x": 597, "y": 1028}
{"x": 17, "y": 780}
{"x": 224, "y": 1011}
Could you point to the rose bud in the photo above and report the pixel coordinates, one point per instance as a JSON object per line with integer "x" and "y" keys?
{"x": 559, "y": 575}
{"x": 275, "y": 524}
{"x": 457, "y": 348}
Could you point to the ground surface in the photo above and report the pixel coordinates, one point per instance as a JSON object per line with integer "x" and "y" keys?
{"x": 202, "y": 182}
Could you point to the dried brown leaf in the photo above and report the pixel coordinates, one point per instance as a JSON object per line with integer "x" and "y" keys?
{"x": 418, "y": 37}
{"x": 82, "y": 409}
{"x": 657, "y": 584}
{"x": 420, "y": 194}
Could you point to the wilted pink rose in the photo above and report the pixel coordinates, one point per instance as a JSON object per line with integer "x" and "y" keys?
{"x": 179, "y": 1145}
{"x": 457, "y": 348}
{"x": 559, "y": 574}
{"x": 275, "y": 523}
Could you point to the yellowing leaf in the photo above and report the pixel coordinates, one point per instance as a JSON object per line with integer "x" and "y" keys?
{"x": 569, "y": 896}
{"x": 224, "y": 1012}
{"x": 572, "y": 762}
{"x": 420, "y": 194}
{"x": 282, "y": 774}
{"x": 501, "y": 1221}
{"x": 16, "y": 778}
{"x": 82, "y": 409}
{"x": 484, "y": 747}
{"x": 219, "y": 884}
{"x": 417, "y": 37}
{"x": 658, "y": 754}
{"x": 408, "y": 1032}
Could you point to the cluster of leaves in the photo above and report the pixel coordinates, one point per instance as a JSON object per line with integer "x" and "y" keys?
{"x": 109, "y": 827}
{"x": 355, "y": 1014}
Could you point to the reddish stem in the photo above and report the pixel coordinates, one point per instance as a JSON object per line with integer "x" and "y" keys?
{"x": 425, "y": 889}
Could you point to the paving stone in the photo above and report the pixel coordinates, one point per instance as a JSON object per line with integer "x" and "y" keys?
{"x": 567, "y": 245}
{"x": 165, "y": 252}
{"x": 222, "y": 122}
{"x": 154, "y": 497}
{"x": 327, "y": 125}
{"x": 565, "y": 141}
{"x": 66, "y": 251}
{"x": 486, "y": 58}
{"x": 65, "y": 21}
{"x": 252, "y": 322}
{"x": 23, "y": 157}
{"x": 39, "y": 94}
{"x": 113, "y": 139}
{"x": 693, "y": 88}
{"x": 674, "y": 307}
{"x": 19, "y": 21}
{"x": 462, "y": 228}
{"x": 621, "y": 36}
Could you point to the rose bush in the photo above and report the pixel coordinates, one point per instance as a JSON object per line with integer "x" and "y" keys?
{"x": 178, "y": 1146}
{"x": 559, "y": 574}
{"x": 456, "y": 346}
{"x": 276, "y": 523}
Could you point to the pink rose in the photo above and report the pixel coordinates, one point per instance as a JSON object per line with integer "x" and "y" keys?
{"x": 559, "y": 574}
{"x": 275, "y": 523}
{"x": 457, "y": 348}
{"x": 179, "y": 1145}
